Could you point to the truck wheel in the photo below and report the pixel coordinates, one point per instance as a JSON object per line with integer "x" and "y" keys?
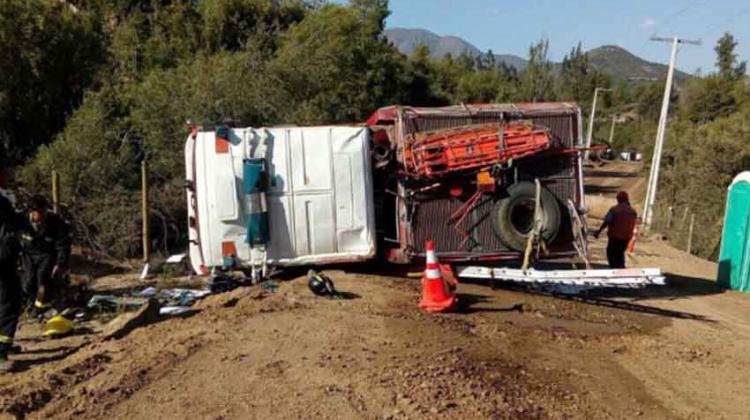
{"x": 514, "y": 215}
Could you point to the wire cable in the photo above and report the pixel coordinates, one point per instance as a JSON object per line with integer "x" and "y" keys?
{"x": 712, "y": 29}
{"x": 668, "y": 21}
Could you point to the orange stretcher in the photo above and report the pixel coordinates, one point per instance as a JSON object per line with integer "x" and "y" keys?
{"x": 436, "y": 153}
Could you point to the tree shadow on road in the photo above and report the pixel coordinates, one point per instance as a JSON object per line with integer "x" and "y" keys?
{"x": 602, "y": 173}
{"x": 612, "y": 298}
{"x": 602, "y": 189}
{"x": 678, "y": 287}
{"x": 615, "y": 297}
{"x": 591, "y": 299}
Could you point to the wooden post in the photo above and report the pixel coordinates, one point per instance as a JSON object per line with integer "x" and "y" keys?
{"x": 55, "y": 192}
{"x": 144, "y": 212}
{"x": 669, "y": 216}
{"x": 690, "y": 234}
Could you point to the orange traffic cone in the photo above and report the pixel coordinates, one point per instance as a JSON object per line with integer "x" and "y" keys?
{"x": 631, "y": 244}
{"x": 437, "y": 296}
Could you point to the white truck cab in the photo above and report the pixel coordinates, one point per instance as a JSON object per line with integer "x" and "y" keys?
{"x": 280, "y": 196}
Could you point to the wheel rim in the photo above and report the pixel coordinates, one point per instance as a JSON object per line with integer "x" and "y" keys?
{"x": 522, "y": 216}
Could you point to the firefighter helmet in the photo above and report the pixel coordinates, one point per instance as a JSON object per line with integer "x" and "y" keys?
{"x": 320, "y": 284}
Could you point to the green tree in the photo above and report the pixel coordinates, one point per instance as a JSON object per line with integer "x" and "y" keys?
{"x": 483, "y": 86}
{"x": 706, "y": 159}
{"x": 537, "y": 82}
{"x": 430, "y": 82}
{"x": 704, "y": 100}
{"x": 485, "y": 61}
{"x": 148, "y": 38}
{"x": 575, "y": 75}
{"x": 715, "y": 96}
{"x": 374, "y": 12}
{"x": 338, "y": 69}
{"x": 229, "y": 24}
{"x": 578, "y": 79}
{"x": 726, "y": 58}
{"x": 648, "y": 97}
{"x": 466, "y": 61}
{"x": 48, "y": 56}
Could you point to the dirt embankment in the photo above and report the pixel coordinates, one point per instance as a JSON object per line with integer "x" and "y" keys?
{"x": 292, "y": 355}
{"x": 506, "y": 354}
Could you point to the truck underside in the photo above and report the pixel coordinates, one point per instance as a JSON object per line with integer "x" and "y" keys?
{"x": 433, "y": 179}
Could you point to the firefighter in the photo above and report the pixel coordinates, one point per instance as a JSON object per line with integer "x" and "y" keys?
{"x": 11, "y": 223}
{"x": 619, "y": 222}
{"x": 46, "y": 251}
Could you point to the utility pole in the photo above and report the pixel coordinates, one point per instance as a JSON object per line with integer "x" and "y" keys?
{"x": 653, "y": 179}
{"x": 591, "y": 120}
{"x": 612, "y": 131}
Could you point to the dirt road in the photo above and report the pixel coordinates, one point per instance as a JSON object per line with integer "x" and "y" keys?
{"x": 672, "y": 352}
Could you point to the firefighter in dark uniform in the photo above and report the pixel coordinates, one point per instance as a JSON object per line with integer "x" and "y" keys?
{"x": 11, "y": 224}
{"x": 620, "y": 222}
{"x": 46, "y": 251}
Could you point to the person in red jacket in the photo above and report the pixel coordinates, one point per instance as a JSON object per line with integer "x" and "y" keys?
{"x": 619, "y": 222}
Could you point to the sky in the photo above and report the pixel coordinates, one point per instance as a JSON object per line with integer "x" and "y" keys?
{"x": 509, "y": 27}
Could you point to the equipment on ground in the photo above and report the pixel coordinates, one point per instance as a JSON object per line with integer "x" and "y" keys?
{"x": 57, "y": 326}
{"x": 321, "y": 285}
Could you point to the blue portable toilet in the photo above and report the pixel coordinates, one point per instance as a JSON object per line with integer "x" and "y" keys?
{"x": 734, "y": 258}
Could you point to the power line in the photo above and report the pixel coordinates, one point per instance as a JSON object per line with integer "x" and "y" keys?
{"x": 668, "y": 21}
{"x": 711, "y": 29}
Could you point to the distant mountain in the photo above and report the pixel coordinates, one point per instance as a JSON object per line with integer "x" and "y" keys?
{"x": 406, "y": 40}
{"x": 622, "y": 64}
{"x": 617, "y": 61}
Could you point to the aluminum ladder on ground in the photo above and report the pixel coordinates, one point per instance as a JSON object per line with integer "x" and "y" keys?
{"x": 569, "y": 281}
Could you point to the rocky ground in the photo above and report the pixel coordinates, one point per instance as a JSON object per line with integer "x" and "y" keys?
{"x": 671, "y": 352}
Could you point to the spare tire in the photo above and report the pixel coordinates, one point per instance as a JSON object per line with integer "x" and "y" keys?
{"x": 514, "y": 215}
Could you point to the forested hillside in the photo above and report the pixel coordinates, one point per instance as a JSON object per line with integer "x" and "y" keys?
{"x": 91, "y": 88}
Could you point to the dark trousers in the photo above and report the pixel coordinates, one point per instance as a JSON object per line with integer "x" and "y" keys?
{"x": 616, "y": 253}
{"x": 37, "y": 283}
{"x": 10, "y": 304}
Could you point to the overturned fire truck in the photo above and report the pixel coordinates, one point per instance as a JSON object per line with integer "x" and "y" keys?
{"x": 463, "y": 176}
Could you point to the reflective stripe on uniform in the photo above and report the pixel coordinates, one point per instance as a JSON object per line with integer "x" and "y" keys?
{"x": 4, "y": 339}
{"x": 41, "y": 305}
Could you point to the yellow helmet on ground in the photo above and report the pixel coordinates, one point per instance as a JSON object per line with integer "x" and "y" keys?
{"x": 57, "y": 325}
